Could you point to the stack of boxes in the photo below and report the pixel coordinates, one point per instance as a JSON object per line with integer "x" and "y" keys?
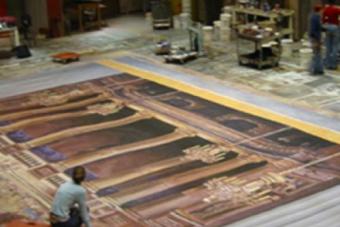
{"x": 222, "y": 28}
{"x": 208, "y": 33}
{"x": 185, "y": 16}
{"x": 217, "y": 30}
{"x": 186, "y": 6}
{"x": 225, "y": 30}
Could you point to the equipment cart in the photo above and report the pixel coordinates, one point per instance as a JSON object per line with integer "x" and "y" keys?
{"x": 258, "y": 51}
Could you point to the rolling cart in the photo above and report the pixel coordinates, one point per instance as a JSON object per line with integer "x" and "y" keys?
{"x": 257, "y": 51}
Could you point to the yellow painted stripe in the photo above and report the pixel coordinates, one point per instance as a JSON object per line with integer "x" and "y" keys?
{"x": 249, "y": 108}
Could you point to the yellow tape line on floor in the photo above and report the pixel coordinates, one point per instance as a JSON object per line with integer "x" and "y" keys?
{"x": 309, "y": 128}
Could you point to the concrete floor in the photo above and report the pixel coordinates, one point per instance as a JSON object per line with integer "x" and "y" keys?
{"x": 289, "y": 83}
{"x": 124, "y": 33}
{"x": 317, "y": 210}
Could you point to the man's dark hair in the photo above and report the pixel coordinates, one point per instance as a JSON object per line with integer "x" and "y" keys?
{"x": 78, "y": 174}
{"x": 331, "y": 2}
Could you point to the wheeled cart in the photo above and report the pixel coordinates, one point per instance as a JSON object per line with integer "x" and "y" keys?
{"x": 258, "y": 51}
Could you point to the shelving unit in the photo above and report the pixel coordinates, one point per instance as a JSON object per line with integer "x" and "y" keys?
{"x": 271, "y": 16}
{"x": 260, "y": 56}
{"x": 96, "y": 7}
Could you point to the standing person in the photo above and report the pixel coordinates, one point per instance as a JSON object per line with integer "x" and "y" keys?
{"x": 330, "y": 19}
{"x": 315, "y": 34}
{"x": 69, "y": 205}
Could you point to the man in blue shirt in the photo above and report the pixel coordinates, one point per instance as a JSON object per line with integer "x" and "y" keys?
{"x": 315, "y": 31}
{"x": 69, "y": 205}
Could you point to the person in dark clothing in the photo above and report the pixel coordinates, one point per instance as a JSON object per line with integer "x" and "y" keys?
{"x": 26, "y": 24}
{"x": 315, "y": 36}
{"x": 330, "y": 20}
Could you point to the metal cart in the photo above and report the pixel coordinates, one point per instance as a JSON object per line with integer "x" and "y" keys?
{"x": 257, "y": 51}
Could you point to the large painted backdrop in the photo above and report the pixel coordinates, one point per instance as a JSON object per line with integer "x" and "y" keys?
{"x": 155, "y": 156}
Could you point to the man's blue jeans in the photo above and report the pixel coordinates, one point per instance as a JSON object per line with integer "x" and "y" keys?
{"x": 316, "y": 66}
{"x": 332, "y": 32}
{"x": 73, "y": 221}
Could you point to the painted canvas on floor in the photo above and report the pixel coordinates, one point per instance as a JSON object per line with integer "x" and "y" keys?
{"x": 156, "y": 156}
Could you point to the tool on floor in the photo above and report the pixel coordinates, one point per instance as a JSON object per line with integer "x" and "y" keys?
{"x": 66, "y": 57}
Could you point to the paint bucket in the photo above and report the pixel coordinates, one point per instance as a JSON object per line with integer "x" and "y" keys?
{"x": 217, "y": 30}
{"x": 225, "y": 20}
{"x": 149, "y": 19}
{"x": 227, "y": 9}
{"x": 207, "y": 34}
{"x": 186, "y": 6}
{"x": 185, "y": 20}
{"x": 287, "y": 47}
{"x": 177, "y": 22}
{"x": 225, "y": 34}
{"x": 306, "y": 43}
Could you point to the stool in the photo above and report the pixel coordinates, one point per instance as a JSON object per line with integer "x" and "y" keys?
{"x": 21, "y": 223}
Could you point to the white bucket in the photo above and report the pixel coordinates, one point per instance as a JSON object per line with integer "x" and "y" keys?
{"x": 225, "y": 34}
{"x": 225, "y": 20}
{"x": 306, "y": 43}
{"x": 207, "y": 34}
{"x": 186, "y": 6}
{"x": 227, "y": 9}
{"x": 148, "y": 18}
{"x": 287, "y": 47}
{"x": 177, "y": 22}
{"x": 217, "y": 30}
{"x": 185, "y": 20}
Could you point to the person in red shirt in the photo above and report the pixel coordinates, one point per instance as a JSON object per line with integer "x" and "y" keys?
{"x": 330, "y": 20}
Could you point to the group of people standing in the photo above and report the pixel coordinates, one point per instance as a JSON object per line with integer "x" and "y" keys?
{"x": 325, "y": 19}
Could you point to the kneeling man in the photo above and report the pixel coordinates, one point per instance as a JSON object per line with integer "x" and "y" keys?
{"x": 69, "y": 205}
